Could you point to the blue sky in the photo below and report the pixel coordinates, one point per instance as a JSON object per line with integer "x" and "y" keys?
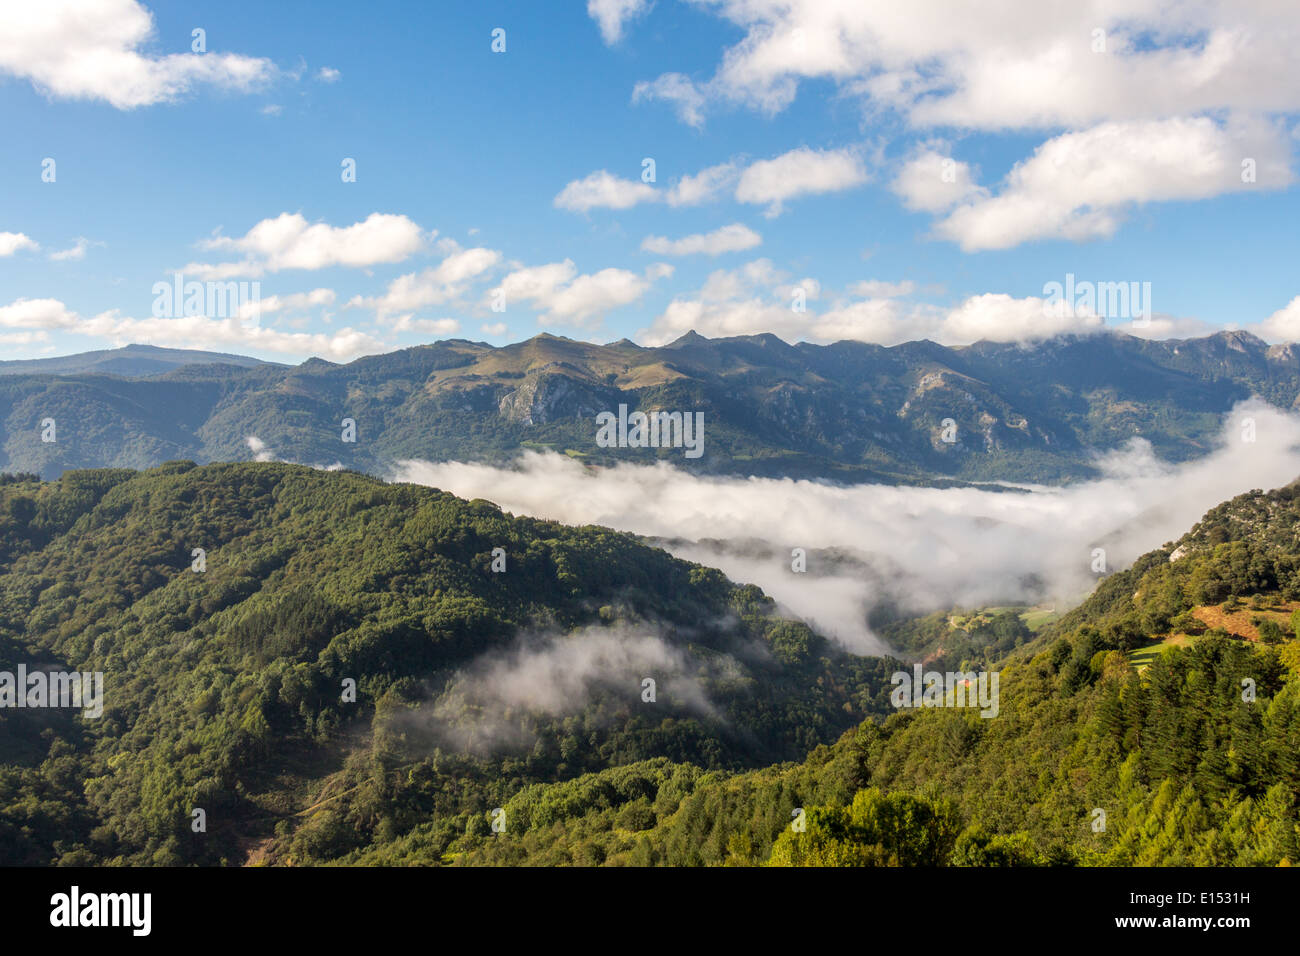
{"x": 515, "y": 177}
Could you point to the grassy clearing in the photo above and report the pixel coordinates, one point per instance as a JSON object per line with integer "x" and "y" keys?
{"x": 1143, "y": 656}
{"x": 1036, "y": 618}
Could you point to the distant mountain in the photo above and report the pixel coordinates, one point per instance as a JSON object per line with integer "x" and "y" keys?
{"x": 132, "y": 361}
{"x": 848, "y": 411}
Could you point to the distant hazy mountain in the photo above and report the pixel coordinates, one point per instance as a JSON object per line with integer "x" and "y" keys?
{"x": 134, "y": 361}
{"x": 848, "y": 411}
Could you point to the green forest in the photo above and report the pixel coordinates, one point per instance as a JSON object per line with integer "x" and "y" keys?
{"x": 355, "y": 672}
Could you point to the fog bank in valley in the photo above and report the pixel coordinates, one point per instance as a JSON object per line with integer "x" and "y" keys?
{"x": 921, "y": 548}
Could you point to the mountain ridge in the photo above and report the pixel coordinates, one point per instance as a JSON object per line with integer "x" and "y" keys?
{"x": 917, "y": 412}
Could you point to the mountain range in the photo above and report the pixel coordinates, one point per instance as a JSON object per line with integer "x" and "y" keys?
{"x": 912, "y": 413}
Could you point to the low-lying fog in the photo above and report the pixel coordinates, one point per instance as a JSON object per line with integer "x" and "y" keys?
{"x": 922, "y": 548}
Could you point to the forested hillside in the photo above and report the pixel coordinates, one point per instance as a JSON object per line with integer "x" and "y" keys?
{"x": 1130, "y": 733}
{"x": 227, "y": 685}
{"x": 502, "y": 716}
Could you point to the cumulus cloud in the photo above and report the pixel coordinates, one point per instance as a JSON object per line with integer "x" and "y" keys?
{"x": 1284, "y": 324}
{"x": 800, "y": 172}
{"x": 1146, "y": 100}
{"x": 295, "y": 302}
{"x": 567, "y": 298}
{"x": 445, "y": 282}
{"x": 931, "y": 182}
{"x": 757, "y": 298}
{"x": 37, "y": 314}
{"x": 922, "y": 548}
{"x": 327, "y": 74}
{"x": 704, "y": 186}
{"x": 1014, "y": 64}
{"x": 289, "y": 241}
{"x": 603, "y": 190}
{"x": 11, "y": 242}
{"x": 1078, "y": 185}
{"x": 613, "y": 15}
{"x": 769, "y": 182}
{"x": 732, "y": 238}
{"x": 91, "y": 50}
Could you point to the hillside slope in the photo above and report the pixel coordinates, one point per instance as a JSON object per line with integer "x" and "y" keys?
{"x": 336, "y": 628}
{"x": 1192, "y": 758}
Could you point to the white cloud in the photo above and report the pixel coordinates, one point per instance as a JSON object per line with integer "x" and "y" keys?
{"x": 90, "y": 49}
{"x": 1145, "y": 76}
{"x": 996, "y": 317}
{"x": 925, "y": 548}
{"x": 1284, "y": 324}
{"x": 603, "y": 190}
{"x": 289, "y": 242}
{"x": 1078, "y": 185}
{"x": 1159, "y": 326}
{"x": 208, "y": 271}
{"x": 567, "y": 298}
{"x": 486, "y": 705}
{"x": 74, "y": 252}
{"x": 1016, "y": 63}
{"x": 36, "y": 314}
{"x": 612, "y": 15}
{"x": 732, "y": 238}
{"x": 702, "y": 187}
{"x": 23, "y": 338}
{"x": 225, "y": 334}
{"x": 679, "y": 90}
{"x": 295, "y": 302}
{"x": 426, "y": 326}
{"x": 933, "y": 182}
{"x": 259, "y": 449}
{"x": 800, "y": 172}
{"x": 756, "y": 298}
{"x": 589, "y": 295}
{"x": 190, "y": 332}
{"x": 11, "y": 242}
{"x": 327, "y": 74}
{"x": 495, "y": 329}
{"x": 445, "y": 282}
{"x": 880, "y": 289}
